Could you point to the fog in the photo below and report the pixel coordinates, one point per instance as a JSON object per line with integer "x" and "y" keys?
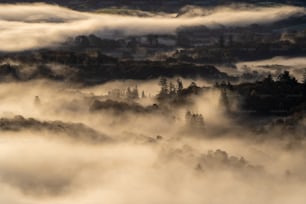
{"x": 295, "y": 65}
{"x": 32, "y": 26}
{"x": 57, "y": 150}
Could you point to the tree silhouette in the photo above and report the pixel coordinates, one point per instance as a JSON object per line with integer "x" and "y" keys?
{"x": 143, "y": 95}
{"x": 180, "y": 86}
{"x": 286, "y": 78}
{"x": 163, "y": 82}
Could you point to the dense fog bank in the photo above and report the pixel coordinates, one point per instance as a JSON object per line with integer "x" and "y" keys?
{"x": 55, "y": 148}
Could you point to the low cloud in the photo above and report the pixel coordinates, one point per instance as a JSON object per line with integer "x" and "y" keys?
{"x": 31, "y": 26}
{"x": 295, "y": 65}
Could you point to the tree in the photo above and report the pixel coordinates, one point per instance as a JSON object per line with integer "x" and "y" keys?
{"x": 229, "y": 85}
{"x": 286, "y": 78}
{"x": 129, "y": 93}
{"x": 132, "y": 93}
{"x": 163, "y": 82}
{"x": 225, "y": 100}
{"x": 269, "y": 79}
{"x": 37, "y": 101}
{"x": 193, "y": 84}
{"x": 188, "y": 116}
{"x": 194, "y": 120}
{"x": 179, "y": 85}
{"x": 135, "y": 93}
{"x": 143, "y": 95}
